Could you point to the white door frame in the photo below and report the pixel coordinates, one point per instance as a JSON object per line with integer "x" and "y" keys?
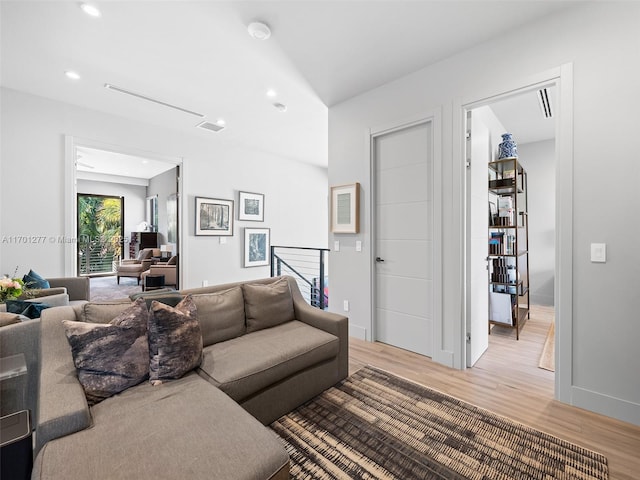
{"x": 435, "y": 118}
{"x": 562, "y": 78}
{"x": 71, "y": 143}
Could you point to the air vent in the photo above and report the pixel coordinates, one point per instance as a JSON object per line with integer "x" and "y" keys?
{"x": 210, "y": 126}
{"x": 545, "y": 103}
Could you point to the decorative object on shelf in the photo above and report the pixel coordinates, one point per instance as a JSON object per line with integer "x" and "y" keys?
{"x": 345, "y": 208}
{"x": 214, "y": 217}
{"x": 257, "y": 245}
{"x": 251, "y": 207}
{"x": 508, "y": 147}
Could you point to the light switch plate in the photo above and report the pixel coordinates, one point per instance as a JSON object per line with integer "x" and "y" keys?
{"x": 336, "y": 246}
{"x": 599, "y": 252}
{"x": 358, "y": 245}
{"x": 223, "y": 240}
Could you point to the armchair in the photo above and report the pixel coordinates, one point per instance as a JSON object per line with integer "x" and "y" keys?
{"x": 135, "y": 267}
{"x": 169, "y": 270}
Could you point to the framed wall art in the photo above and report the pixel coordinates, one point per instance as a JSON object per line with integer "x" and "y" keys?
{"x": 251, "y": 207}
{"x": 214, "y": 216}
{"x": 257, "y": 247}
{"x": 345, "y": 208}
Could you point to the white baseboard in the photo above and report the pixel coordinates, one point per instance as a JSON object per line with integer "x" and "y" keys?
{"x": 357, "y": 331}
{"x": 606, "y": 405}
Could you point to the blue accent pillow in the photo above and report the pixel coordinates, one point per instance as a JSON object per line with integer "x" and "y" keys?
{"x": 34, "y": 280}
{"x": 28, "y": 309}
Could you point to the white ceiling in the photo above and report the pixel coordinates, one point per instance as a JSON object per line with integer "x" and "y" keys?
{"x": 198, "y": 55}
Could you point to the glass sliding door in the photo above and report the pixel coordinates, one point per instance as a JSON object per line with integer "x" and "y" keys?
{"x": 100, "y": 233}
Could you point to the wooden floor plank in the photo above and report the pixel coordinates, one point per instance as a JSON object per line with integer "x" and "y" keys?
{"x": 507, "y": 381}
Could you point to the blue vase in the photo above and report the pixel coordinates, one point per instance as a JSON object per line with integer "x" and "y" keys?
{"x": 508, "y": 147}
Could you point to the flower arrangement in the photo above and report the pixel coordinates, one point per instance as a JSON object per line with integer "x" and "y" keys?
{"x": 10, "y": 288}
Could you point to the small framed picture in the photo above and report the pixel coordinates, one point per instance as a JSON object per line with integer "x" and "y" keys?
{"x": 345, "y": 208}
{"x": 257, "y": 247}
{"x": 214, "y": 216}
{"x": 251, "y": 207}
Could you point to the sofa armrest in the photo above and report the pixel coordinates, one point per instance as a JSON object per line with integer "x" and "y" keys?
{"x": 78, "y": 288}
{"x": 62, "y": 408}
{"x": 330, "y": 322}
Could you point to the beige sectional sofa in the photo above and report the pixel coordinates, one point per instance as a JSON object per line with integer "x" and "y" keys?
{"x": 262, "y": 357}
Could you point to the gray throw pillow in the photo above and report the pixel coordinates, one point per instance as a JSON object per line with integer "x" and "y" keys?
{"x": 221, "y": 315}
{"x": 267, "y": 305}
{"x": 110, "y": 357}
{"x": 103, "y": 312}
{"x": 175, "y": 340}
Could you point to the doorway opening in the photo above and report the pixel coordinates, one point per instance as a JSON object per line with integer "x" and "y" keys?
{"x": 519, "y": 262}
{"x": 146, "y": 186}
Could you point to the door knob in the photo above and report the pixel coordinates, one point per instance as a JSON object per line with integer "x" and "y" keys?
{"x": 379, "y": 260}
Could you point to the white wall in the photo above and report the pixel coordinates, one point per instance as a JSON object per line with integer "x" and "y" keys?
{"x": 538, "y": 158}
{"x": 32, "y": 190}
{"x": 599, "y": 40}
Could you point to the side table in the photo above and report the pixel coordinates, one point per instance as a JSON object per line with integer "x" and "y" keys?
{"x": 16, "y": 450}
{"x": 16, "y": 447}
{"x": 13, "y": 383}
{"x": 152, "y": 282}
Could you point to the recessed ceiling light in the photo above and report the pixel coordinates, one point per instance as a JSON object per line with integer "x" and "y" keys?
{"x": 221, "y": 122}
{"x": 280, "y": 106}
{"x": 259, "y": 30}
{"x": 144, "y": 162}
{"x": 271, "y": 93}
{"x": 90, "y": 10}
{"x": 72, "y": 75}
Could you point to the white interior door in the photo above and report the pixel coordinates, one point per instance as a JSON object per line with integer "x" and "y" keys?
{"x": 404, "y": 240}
{"x": 478, "y": 155}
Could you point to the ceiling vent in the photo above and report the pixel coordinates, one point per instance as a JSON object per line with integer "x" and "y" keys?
{"x": 213, "y": 127}
{"x": 545, "y": 103}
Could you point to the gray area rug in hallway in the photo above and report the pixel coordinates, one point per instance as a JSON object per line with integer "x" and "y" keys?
{"x": 375, "y": 425}
{"x": 107, "y": 288}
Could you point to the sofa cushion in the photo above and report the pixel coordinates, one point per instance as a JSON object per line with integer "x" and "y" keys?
{"x": 35, "y": 280}
{"x": 267, "y": 305}
{"x": 26, "y": 308}
{"x": 175, "y": 340}
{"x": 168, "y": 296}
{"x": 252, "y": 362}
{"x": 103, "y": 312}
{"x": 110, "y": 357}
{"x": 221, "y": 315}
{"x": 184, "y": 429}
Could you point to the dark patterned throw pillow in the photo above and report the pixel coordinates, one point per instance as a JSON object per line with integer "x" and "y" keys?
{"x": 175, "y": 340}
{"x": 110, "y": 357}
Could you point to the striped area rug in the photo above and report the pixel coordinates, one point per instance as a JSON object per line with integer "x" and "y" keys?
{"x": 375, "y": 425}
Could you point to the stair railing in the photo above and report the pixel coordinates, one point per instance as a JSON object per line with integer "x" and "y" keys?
{"x": 308, "y": 266}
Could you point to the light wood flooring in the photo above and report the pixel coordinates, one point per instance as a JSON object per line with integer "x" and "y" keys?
{"x": 507, "y": 381}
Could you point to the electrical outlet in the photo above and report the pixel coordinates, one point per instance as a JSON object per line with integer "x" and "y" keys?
{"x": 223, "y": 240}
{"x": 205, "y": 283}
{"x": 346, "y": 306}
